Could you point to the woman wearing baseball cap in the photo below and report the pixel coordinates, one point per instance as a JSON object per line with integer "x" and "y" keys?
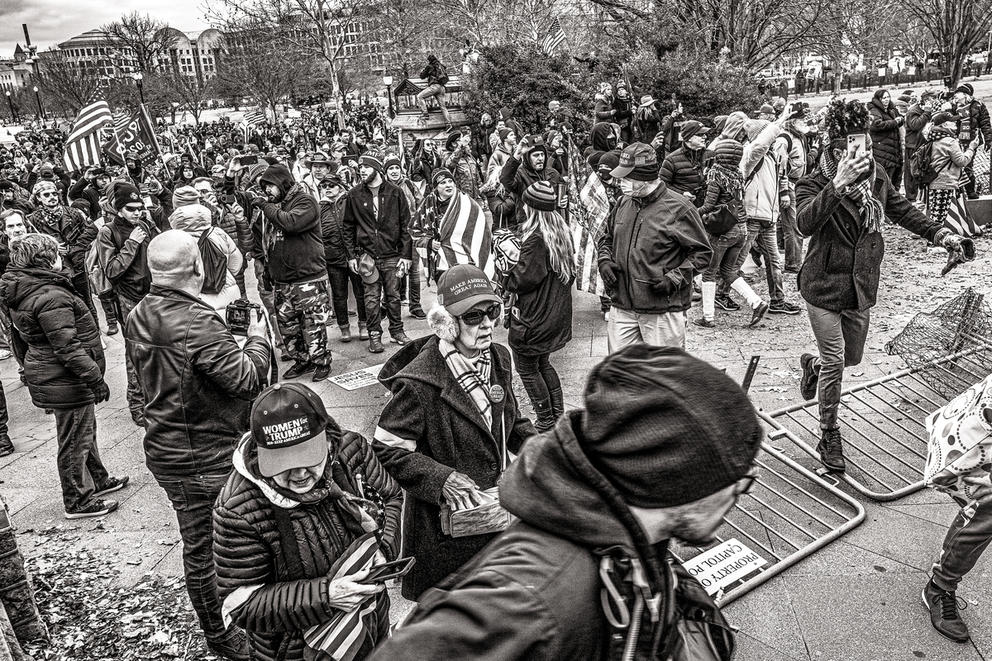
{"x": 447, "y": 432}
{"x": 306, "y": 511}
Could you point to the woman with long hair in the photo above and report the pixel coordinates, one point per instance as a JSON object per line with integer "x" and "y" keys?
{"x": 947, "y": 191}
{"x": 541, "y": 314}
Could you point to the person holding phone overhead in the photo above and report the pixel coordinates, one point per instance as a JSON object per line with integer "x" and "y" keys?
{"x": 306, "y": 512}
{"x": 841, "y": 208}
{"x": 447, "y": 432}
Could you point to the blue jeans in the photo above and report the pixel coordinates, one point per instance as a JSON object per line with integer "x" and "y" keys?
{"x": 81, "y": 470}
{"x": 193, "y": 500}
{"x": 726, "y": 253}
{"x": 341, "y": 277}
{"x": 388, "y": 287}
{"x": 761, "y": 234}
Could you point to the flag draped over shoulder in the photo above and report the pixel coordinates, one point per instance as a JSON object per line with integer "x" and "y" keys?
{"x": 82, "y": 147}
{"x": 588, "y": 209}
{"x": 466, "y": 236}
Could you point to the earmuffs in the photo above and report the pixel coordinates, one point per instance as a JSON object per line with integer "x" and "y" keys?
{"x": 443, "y": 323}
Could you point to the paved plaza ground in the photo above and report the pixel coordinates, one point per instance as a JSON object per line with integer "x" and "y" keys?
{"x": 856, "y": 600}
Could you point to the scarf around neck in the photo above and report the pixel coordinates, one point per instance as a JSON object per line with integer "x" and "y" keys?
{"x": 472, "y": 375}
{"x": 861, "y": 193}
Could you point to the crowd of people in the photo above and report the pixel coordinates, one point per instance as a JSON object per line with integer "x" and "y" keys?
{"x": 282, "y": 512}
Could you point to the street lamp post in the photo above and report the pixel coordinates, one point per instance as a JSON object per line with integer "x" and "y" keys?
{"x": 10, "y": 104}
{"x": 37, "y": 98}
{"x": 388, "y": 82}
{"x": 141, "y": 90}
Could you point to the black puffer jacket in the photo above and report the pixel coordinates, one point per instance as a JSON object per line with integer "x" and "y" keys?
{"x": 248, "y": 550}
{"x": 683, "y": 172}
{"x": 286, "y": 236}
{"x": 191, "y": 370}
{"x": 542, "y": 319}
{"x": 55, "y": 336}
{"x": 884, "y": 129}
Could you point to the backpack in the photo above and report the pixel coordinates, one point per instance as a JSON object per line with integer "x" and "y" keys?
{"x": 442, "y": 75}
{"x": 214, "y": 264}
{"x": 921, "y": 164}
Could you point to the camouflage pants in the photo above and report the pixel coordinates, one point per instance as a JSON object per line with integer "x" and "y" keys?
{"x": 301, "y": 313}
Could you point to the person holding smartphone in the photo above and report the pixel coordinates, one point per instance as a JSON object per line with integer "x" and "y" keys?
{"x": 306, "y": 512}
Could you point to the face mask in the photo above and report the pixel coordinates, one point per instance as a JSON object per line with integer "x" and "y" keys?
{"x": 633, "y": 188}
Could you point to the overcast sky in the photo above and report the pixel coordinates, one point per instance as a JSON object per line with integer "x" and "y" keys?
{"x": 52, "y": 21}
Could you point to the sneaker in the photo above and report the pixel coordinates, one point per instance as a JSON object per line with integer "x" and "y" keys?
{"x": 112, "y": 328}
{"x": 704, "y": 322}
{"x": 363, "y": 331}
{"x": 298, "y": 370}
{"x": 6, "y": 447}
{"x": 757, "y": 314}
{"x": 375, "y": 344}
{"x": 95, "y": 508}
{"x": 321, "y": 373}
{"x": 399, "y": 338}
{"x": 112, "y": 485}
{"x": 418, "y": 313}
{"x": 944, "y": 617}
{"x": 831, "y": 449}
{"x": 784, "y": 307}
{"x": 345, "y": 333}
{"x": 232, "y": 647}
{"x": 727, "y": 303}
{"x": 810, "y": 378}
{"x": 4, "y": 354}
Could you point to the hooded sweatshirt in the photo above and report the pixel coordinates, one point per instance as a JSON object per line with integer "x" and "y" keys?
{"x": 534, "y": 593}
{"x": 194, "y": 219}
{"x": 288, "y": 231}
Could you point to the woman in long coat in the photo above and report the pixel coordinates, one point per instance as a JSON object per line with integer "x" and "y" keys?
{"x": 886, "y": 135}
{"x": 448, "y": 430}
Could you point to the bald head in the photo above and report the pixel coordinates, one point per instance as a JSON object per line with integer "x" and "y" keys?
{"x": 174, "y": 260}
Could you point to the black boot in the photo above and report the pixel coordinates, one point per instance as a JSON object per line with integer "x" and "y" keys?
{"x": 545, "y": 418}
{"x": 6, "y": 447}
{"x": 557, "y": 403}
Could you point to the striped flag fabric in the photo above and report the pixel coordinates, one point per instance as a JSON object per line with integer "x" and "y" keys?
{"x": 254, "y": 117}
{"x": 82, "y": 147}
{"x": 466, "y": 237}
{"x": 589, "y": 208}
{"x": 554, "y": 38}
{"x": 958, "y": 220}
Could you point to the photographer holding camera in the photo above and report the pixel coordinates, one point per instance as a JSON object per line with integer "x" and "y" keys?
{"x": 199, "y": 386}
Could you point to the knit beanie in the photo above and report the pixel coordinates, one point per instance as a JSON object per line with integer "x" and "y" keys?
{"x": 729, "y": 153}
{"x": 372, "y": 160}
{"x": 185, "y": 195}
{"x": 439, "y": 174}
{"x": 502, "y": 133}
{"x": 125, "y": 194}
{"x": 253, "y": 173}
{"x": 666, "y": 428}
{"x": 390, "y": 161}
{"x": 540, "y": 195}
{"x": 452, "y": 141}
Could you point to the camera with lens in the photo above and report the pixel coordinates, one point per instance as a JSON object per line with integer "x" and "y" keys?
{"x": 238, "y": 316}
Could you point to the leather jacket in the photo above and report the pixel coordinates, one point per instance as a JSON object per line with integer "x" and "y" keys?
{"x": 198, "y": 383}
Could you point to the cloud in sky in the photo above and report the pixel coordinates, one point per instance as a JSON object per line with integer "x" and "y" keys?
{"x": 52, "y": 21}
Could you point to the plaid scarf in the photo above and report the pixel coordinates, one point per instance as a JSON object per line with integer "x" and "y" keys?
{"x": 472, "y": 374}
{"x": 861, "y": 193}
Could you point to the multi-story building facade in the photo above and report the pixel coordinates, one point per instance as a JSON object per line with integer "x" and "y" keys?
{"x": 191, "y": 54}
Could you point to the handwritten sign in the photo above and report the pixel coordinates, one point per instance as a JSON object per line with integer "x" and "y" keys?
{"x": 723, "y": 565}
{"x": 366, "y": 376}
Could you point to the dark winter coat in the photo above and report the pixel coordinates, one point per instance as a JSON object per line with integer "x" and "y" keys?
{"x": 73, "y": 229}
{"x": 332, "y": 229}
{"x": 647, "y": 238}
{"x": 54, "y": 336}
{"x": 287, "y": 233}
{"x": 248, "y": 549}
{"x": 978, "y": 124}
{"x": 429, "y": 428}
{"x": 916, "y": 120}
{"x": 884, "y": 129}
{"x": 603, "y": 136}
{"x": 198, "y": 383}
{"x": 384, "y": 235}
{"x": 534, "y": 594}
{"x": 843, "y": 263}
{"x": 682, "y": 170}
{"x": 84, "y": 190}
{"x": 516, "y": 176}
{"x": 541, "y": 321}
{"x": 124, "y": 261}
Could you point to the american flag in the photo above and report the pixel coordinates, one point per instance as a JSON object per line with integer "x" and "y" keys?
{"x": 465, "y": 236}
{"x": 82, "y": 147}
{"x": 588, "y": 208}
{"x": 254, "y": 117}
{"x": 555, "y": 38}
{"x": 958, "y": 220}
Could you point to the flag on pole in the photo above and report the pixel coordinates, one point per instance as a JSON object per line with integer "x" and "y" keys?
{"x": 82, "y": 147}
{"x": 554, "y": 38}
{"x": 589, "y": 208}
{"x": 133, "y": 133}
{"x": 254, "y": 117}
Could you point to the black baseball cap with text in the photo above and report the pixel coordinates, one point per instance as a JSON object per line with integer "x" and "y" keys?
{"x": 287, "y": 424}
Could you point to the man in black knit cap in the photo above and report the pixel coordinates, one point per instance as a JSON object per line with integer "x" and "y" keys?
{"x": 665, "y": 446}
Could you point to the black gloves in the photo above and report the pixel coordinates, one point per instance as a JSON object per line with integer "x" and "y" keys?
{"x": 609, "y": 272}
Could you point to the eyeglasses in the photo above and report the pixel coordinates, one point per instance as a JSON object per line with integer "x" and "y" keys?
{"x": 474, "y": 317}
{"x": 746, "y": 483}
{"x": 49, "y": 193}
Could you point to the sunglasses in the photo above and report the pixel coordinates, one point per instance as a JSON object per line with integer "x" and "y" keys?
{"x": 133, "y": 209}
{"x": 48, "y": 194}
{"x": 474, "y": 317}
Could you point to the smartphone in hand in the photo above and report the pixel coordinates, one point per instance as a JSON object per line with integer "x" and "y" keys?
{"x": 857, "y": 145}
{"x": 389, "y": 570}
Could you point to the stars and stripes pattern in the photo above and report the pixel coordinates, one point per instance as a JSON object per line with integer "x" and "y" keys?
{"x": 958, "y": 220}
{"x": 466, "y": 236}
{"x": 554, "y": 38}
{"x": 588, "y": 210}
{"x": 82, "y": 147}
{"x": 254, "y": 117}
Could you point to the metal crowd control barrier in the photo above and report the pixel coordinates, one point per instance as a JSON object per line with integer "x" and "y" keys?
{"x": 789, "y": 514}
{"x": 883, "y": 423}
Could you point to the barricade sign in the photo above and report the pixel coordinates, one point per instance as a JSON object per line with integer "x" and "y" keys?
{"x": 726, "y": 563}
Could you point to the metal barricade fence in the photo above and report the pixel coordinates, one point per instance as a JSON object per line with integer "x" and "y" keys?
{"x": 789, "y": 514}
{"x": 883, "y": 422}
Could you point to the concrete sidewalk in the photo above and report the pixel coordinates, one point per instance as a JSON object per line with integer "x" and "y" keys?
{"x": 856, "y": 600}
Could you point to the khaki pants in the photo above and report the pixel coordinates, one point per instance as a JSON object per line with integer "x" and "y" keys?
{"x": 662, "y": 330}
